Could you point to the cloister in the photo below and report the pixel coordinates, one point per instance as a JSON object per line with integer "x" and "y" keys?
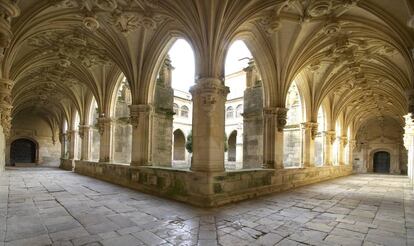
{"x": 315, "y": 90}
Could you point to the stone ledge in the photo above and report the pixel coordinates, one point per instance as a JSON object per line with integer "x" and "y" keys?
{"x": 208, "y": 189}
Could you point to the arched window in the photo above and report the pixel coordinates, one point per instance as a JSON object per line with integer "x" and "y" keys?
{"x": 175, "y": 109}
{"x": 184, "y": 111}
{"x": 292, "y": 133}
{"x": 229, "y": 112}
{"x": 319, "y": 150}
{"x": 239, "y": 110}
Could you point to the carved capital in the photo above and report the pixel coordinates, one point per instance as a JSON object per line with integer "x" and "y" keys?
{"x": 312, "y": 127}
{"x": 330, "y": 136}
{"x": 281, "y": 118}
{"x": 103, "y": 123}
{"x": 138, "y": 111}
{"x": 83, "y": 129}
{"x": 210, "y": 90}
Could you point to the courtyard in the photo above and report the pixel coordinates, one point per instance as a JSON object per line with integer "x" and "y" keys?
{"x": 49, "y": 206}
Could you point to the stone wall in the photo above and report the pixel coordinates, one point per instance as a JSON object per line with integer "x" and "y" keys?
{"x": 208, "y": 190}
{"x": 253, "y": 127}
{"x": 37, "y": 130}
{"x": 374, "y": 136}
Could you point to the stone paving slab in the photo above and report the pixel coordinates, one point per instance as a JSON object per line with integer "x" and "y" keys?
{"x": 46, "y": 206}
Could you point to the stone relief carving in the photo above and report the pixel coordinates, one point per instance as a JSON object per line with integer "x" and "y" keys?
{"x": 125, "y": 15}
{"x": 69, "y": 45}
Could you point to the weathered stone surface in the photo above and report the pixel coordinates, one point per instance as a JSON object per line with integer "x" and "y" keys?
{"x": 106, "y": 214}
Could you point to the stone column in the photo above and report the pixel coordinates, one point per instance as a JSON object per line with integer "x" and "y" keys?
{"x": 141, "y": 133}
{"x": 342, "y": 142}
{"x": 252, "y": 118}
{"x": 62, "y": 138}
{"x": 351, "y": 147}
{"x": 209, "y": 97}
{"x": 106, "y": 128}
{"x": 274, "y": 122}
{"x": 309, "y": 131}
{"x": 328, "y": 140}
{"x": 85, "y": 133}
{"x": 72, "y": 143}
{"x": 162, "y": 121}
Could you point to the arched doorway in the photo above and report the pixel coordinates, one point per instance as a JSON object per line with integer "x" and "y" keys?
{"x": 382, "y": 162}
{"x": 22, "y": 151}
{"x": 232, "y": 146}
{"x": 179, "y": 146}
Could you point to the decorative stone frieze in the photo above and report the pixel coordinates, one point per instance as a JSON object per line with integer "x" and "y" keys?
{"x": 69, "y": 45}
{"x": 126, "y": 16}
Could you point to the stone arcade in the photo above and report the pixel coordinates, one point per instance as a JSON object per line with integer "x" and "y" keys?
{"x": 85, "y": 85}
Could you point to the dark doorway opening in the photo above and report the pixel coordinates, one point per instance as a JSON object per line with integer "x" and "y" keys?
{"x": 382, "y": 162}
{"x": 179, "y": 146}
{"x": 22, "y": 151}
{"x": 232, "y": 146}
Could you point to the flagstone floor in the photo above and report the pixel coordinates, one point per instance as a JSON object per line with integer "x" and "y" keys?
{"x": 47, "y": 206}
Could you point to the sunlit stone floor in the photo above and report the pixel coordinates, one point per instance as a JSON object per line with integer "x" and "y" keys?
{"x": 45, "y": 206}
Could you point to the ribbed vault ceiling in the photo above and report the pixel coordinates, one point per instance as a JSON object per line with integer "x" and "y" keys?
{"x": 354, "y": 58}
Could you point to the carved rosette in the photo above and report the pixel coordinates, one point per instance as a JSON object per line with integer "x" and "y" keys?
{"x": 281, "y": 118}
{"x": 209, "y": 90}
{"x": 138, "y": 111}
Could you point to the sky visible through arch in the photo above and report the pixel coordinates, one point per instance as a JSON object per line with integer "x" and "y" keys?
{"x": 182, "y": 58}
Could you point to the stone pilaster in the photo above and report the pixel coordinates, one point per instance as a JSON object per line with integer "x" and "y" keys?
{"x": 85, "y": 133}
{"x": 72, "y": 143}
{"x": 6, "y": 87}
{"x": 274, "y": 122}
{"x": 162, "y": 118}
{"x": 309, "y": 131}
{"x": 328, "y": 140}
{"x": 342, "y": 142}
{"x": 252, "y": 120}
{"x": 209, "y": 97}
{"x": 62, "y": 139}
{"x": 141, "y": 131}
{"x": 106, "y": 128}
{"x": 352, "y": 146}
